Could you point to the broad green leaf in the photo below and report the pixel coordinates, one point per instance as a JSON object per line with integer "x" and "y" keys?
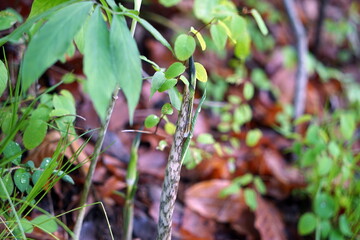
{"x": 244, "y": 180}
{"x": 260, "y": 22}
{"x": 184, "y": 47}
{"x": 40, "y": 6}
{"x": 260, "y": 185}
{"x": 34, "y": 133}
{"x": 48, "y": 45}
{"x": 253, "y": 137}
{"x": 174, "y": 96}
{"x": 167, "y": 109}
{"x": 335, "y": 235}
{"x": 45, "y": 163}
{"x": 9, "y": 186}
{"x": 324, "y": 206}
{"x": 12, "y": 150}
{"x": 248, "y": 91}
{"x": 3, "y": 77}
{"x": 307, "y": 223}
{"x": 169, "y": 83}
{"x": 151, "y": 121}
{"x": 36, "y": 176}
{"x": 157, "y": 80}
{"x": 46, "y": 223}
{"x": 205, "y": 138}
{"x": 170, "y": 128}
{"x": 201, "y": 73}
{"x": 68, "y": 78}
{"x": 64, "y": 176}
{"x": 41, "y": 112}
{"x": 325, "y": 164}
{"x": 242, "y": 47}
{"x": 326, "y": 227}
{"x": 8, "y": 18}
{"x": 218, "y": 35}
{"x": 260, "y": 80}
{"x": 250, "y": 198}
{"x": 203, "y": 9}
{"x": 26, "y": 225}
{"x": 22, "y": 179}
{"x": 347, "y": 125}
{"x": 238, "y": 28}
{"x": 98, "y": 64}
{"x": 169, "y": 3}
{"x": 199, "y": 38}
{"x": 126, "y": 62}
{"x": 175, "y": 70}
{"x": 345, "y": 226}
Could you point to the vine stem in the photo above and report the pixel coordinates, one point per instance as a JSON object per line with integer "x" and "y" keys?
{"x": 98, "y": 146}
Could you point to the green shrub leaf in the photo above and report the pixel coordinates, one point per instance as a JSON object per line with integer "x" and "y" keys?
{"x": 184, "y": 46}
{"x": 46, "y": 223}
{"x": 167, "y": 109}
{"x": 324, "y": 206}
{"x": 205, "y": 138}
{"x": 34, "y": 133}
{"x": 126, "y": 62}
{"x": 175, "y": 70}
{"x": 157, "y": 81}
{"x": 248, "y": 91}
{"x": 347, "y": 125}
{"x": 260, "y": 22}
{"x": 253, "y": 137}
{"x": 13, "y": 150}
{"x": 9, "y": 186}
{"x": 345, "y": 226}
{"x": 307, "y": 223}
{"x": 3, "y": 77}
{"x": 8, "y": 18}
{"x": 40, "y": 6}
{"x": 22, "y": 179}
{"x": 201, "y": 73}
{"x": 169, "y": 3}
{"x": 218, "y": 35}
{"x": 203, "y": 9}
{"x": 250, "y": 198}
{"x": 174, "y": 96}
{"x": 67, "y": 21}
{"x": 151, "y": 121}
{"x": 169, "y": 83}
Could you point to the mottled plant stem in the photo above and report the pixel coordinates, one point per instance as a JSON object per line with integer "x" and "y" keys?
{"x": 172, "y": 172}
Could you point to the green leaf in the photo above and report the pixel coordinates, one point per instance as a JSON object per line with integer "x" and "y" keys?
{"x": 8, "y": 18}
{"x": 9, "y": 186}
{"x": 170, "y": 128}
{"x": 335, "y": 235}
{"x": 259, "y": 185}
{"x": 175, "y": 70}
{"x": 12, "y": 150}
{"x": 45, "y": 162}
{"x": 242, "y": 47}
{"x": 40, "y": 6}
{"x": 238, "y": 28}
{"x": 325, "y": 164}
{"x": 347, "y": 125}
{"x": 157, "y": 80}
{"x": 253, "y": 137}
{"x": 260, "y": 79}
{"x": 205, "y": 138}
{"x": 250, "y": 198}
{"x": 218, "y": 35}
{"x": 244, "y": 180}
{"x": 126, "y": 62}
{"x": 26, "y": 225}
{"x": 68, "y": 78}
{"x": 345, "y": 226}
{"x": 167, "y": 109}
{"x": 151, "y": 121}
{"x": 34, "y": 133}
{"x": 248, "y": 91}
{"x": 199, "y": 37}
{"x": 46, "y": 223}
{"x": 184, "y": 46}
{"x": 169, "y": 83}
{"x": 307, "y": 223}
{"x": 169, "y": 3}
{"x": 67, "y": 21}
{"x": 36, "y": 176}
{"x": 201, "y": 73}
{"x": 174, "y": 96}
{"x": 3, "y": 78}
{"x": 260, "y": 22}
{"x": 98, "y": 64}
{"x": 324, "y": 206}
{"x": 22, "y": 179}
{"x": 203, "y": 9}
{"x": 304, "y": 118}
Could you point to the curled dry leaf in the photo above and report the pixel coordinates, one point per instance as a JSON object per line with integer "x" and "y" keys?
{"x": 203, "y": 198}
{"x": 269, "y": 221}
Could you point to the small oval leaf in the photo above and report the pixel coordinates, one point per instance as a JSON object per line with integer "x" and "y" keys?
{"x": 22, "y": 179}
{"x": 253, "y": 137}
{"x": 175, "y": 70}
{"x": 184, "y": 47}
{"x": 151, "y": 121}
{"x": 201, "y": 73}
{"x": 167, "y": 85}
{"x": 307, "y": 223}
{"x": 167, "y": 109}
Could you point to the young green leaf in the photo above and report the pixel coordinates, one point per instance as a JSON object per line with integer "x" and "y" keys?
{"x": 36, "y": 176}
{"x": 40, "y": 6}
{"x": 218, "y": 35}
{"x": 169, "y": 83}
{"x": 307, "y": 223}
{"x": 34, "y": 133}
{"x": 199, "y": 38}
{"x": 169, "y": 3}
{"x": 126, "y": 62}
{"x": 184, "y": 46}
{"x": 157, "y": 81}
{"x": 151, "y": 121}
{"x": 259, "y": 185}
{"x": 201, "y": 73}
{"x": 8, "y": 18}
{"x": 205, "y": 138}
{"x": 248, "y": 91}
{"x": 242, "y": 47}
{"x": 3, "y": 77}
{"x": 324, "y": 206}
{"x": 203, "y": 9}
{"x": 22, "y": 179}
{"x": 347, "y": 125}
{"x": 238, "y": 27}
{"x": 9, "y": 186}
{"x": 167, "y": 109}
{"x": 260, "y": 22}
{"x": 345, "y": 226}
{"x": 13, "y": 150}
{"x": 45, "y": 163}
{"x": 253, "y": 137}
{"x": 244, "y": 180}
{"x": 170, "y": 128}
{"x": 250, "y": 198}
{"x": 175, "y": 70}
{"x": 45, "y": 223}
{"x": 48, "y": 45}
{"x": 174, "y": 96}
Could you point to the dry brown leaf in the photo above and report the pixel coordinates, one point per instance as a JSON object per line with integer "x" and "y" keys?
{"x": 203, "y": 198}
{"x": 269, "y": 221}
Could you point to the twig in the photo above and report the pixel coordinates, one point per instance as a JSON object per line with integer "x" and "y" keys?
{"x": 302, "y": 52}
